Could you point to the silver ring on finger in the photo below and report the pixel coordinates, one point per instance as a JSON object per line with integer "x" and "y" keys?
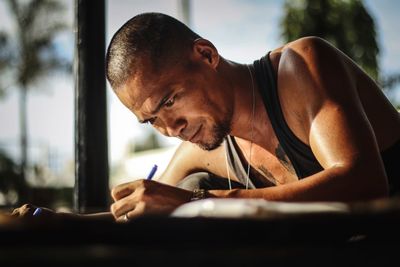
{"x": 126, "y": 218}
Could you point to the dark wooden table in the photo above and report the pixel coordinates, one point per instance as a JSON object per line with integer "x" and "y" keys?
{"x": 367, "y": 236}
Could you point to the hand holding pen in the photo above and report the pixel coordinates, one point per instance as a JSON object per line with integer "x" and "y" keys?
{"x": 149, "y": 177}
{"x": 144, "y": 197}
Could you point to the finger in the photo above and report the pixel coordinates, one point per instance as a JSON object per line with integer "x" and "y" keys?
{"x": 124, "y": 218}
{"x": 132, "y": 214}
{"x": 15, "y": 212}
{"x": 26, "y": 206}
{"x": 28, "y": 211}
{"x": 122, "y": 206}
{"x": 122, "y": 190}
{"x": 23, "y": 210}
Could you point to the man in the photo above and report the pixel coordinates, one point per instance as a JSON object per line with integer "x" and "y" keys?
{"x": 304, "y": 123}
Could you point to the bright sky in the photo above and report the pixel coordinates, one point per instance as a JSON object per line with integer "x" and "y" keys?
{"x": 242, "y": 30}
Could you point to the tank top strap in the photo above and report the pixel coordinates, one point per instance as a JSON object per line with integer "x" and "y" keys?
{"x": 300, "y": 154}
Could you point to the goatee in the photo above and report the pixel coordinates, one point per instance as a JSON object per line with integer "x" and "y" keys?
{"x": 220, "y": 131}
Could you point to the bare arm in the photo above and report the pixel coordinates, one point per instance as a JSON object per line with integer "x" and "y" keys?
{"x": 189, "y": 158}
{"x": 339, "y": 133}
{"x": 27, "y": 210}
{"x": 161, "y": 197}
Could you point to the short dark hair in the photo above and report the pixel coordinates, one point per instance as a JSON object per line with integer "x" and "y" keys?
{"x": 159, "y": 37}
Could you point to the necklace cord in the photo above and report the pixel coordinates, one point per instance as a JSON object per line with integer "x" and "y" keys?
{"x": 251, "y": 137}
{"x": 252, "y": 128}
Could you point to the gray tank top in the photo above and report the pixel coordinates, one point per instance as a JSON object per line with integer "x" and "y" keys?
{"x": 236, "y": 166}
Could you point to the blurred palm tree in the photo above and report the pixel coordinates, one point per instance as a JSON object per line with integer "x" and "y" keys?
{"x": 29, "y": 53}
{"x": 4, "y": 62}
{"x": 346, "y": 24}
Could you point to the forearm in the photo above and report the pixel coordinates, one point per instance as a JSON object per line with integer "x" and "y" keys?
{"x": 101, "y": 216}
{"x": 178, "y": 168}
{"x": 329, "y": 185}
{"x": 187, "y": 159}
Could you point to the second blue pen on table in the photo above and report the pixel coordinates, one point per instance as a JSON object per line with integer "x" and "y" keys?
{"x": 37, "y": 212}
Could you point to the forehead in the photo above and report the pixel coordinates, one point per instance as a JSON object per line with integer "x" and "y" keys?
{"x": 145, "y": 87}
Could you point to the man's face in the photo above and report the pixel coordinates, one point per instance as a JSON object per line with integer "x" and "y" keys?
{"x": 181, "y": 101}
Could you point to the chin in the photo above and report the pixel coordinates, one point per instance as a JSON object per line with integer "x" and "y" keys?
{"x": 218, "y": 134}
{"x": 211, "y": 145}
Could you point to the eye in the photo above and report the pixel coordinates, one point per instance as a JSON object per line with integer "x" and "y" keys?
{"x": 150, "y": 121}
{"x": 170, "y": 102}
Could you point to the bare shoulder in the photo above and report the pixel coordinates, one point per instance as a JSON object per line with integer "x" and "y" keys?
{"x": 308, "y": 41}
{"x": 311, "y": 47}
{"x": 314, "y": 75}
{"x": 310, "y": 72}
{"x": 315, "y": 55}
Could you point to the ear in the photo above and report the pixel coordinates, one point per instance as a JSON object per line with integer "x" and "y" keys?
{"x": 205, "y": 51}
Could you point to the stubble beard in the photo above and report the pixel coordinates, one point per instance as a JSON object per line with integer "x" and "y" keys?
{"x": 219, "y": 132}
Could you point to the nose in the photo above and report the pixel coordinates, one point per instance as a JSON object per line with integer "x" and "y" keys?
{"x": 175, "y": 128}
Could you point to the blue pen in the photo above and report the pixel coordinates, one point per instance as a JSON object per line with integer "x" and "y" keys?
{"x": 152, "y": 172}
{"x": 37, "y": 212}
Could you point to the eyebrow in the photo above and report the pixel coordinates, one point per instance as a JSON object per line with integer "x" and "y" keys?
{"x": 159, "y": 106}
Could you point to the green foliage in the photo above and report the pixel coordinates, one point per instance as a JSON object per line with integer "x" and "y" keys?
{"x": 345, "y": 23}
{"x": 390, "y": 81}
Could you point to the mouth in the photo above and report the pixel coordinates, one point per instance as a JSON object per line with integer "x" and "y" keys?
{"x": 192, "y": 139}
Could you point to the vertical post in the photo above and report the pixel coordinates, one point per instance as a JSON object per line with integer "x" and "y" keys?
{"x": 184, "y": 12}
{"x": 91, "y": 191}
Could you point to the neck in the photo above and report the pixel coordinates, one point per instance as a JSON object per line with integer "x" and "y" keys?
{"x": 238, "y": 76}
